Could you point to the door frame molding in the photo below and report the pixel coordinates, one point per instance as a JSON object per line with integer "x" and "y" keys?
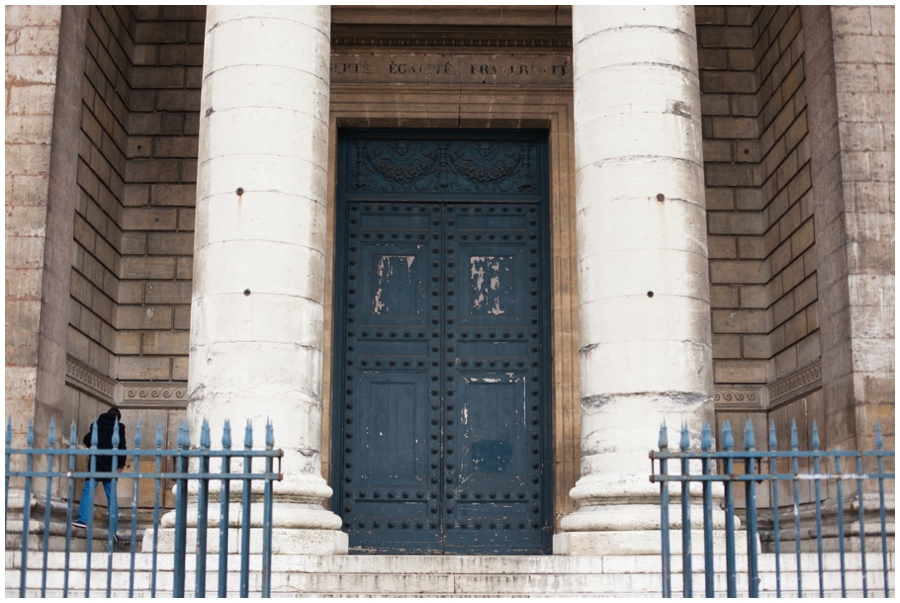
{"x": 483, "y": 107}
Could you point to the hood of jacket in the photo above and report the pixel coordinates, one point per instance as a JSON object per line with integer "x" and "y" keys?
{"x": 106, "y": 420}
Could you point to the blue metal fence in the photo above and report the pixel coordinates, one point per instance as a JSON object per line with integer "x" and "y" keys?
{"x": 758, "y": 471}
{"x": 57, "y": 467}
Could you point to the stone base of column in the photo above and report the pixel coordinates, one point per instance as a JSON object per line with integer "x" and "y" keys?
{"x": 284, "y": 541}
{"x": 639, "y": 542}
{"x": 620, "y": 515}
{"x": 298, "y": 529}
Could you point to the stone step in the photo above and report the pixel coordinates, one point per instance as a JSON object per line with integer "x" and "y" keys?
{"x": 443, "y": 576}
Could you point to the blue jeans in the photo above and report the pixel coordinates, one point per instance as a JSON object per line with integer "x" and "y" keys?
{"x": 85, "y": 510}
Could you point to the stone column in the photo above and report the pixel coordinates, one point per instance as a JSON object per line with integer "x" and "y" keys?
{"x": 643, "y": 275}
{"x": 259, "y": 251}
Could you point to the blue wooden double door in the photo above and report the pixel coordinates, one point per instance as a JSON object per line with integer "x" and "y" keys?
{"x": 442, "y": 439}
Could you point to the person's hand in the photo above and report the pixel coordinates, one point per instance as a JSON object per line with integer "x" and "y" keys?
{"x": 121, "y": 469}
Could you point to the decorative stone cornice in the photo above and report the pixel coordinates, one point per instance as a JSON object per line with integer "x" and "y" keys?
{"x": 90, "y": 381}
{"x": 767, "y": 397}
{"x": 450, "y": 36}
{"x": 740, "y": 398}
{"x": 796, "y": 384}
{"x": 153, "y": 395}
{"x": 135, "y": 394}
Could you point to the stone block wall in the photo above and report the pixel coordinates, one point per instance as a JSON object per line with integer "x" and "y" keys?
{"x": 763, "y": 284}
{"x": 729, "y": 84}
{"x": 161, "y": 174}
{"x": 789, "y": 240}
{"x": 96, "y": 260}
{"x": 127, "y": 341}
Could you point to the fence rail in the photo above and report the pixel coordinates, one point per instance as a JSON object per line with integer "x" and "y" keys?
{"x": 759, "y": 471}
{"x": 57, "y": 468}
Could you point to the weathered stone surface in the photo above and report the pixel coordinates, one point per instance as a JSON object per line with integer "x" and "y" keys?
{"x": 261, "y": 152}
{"x": 664, "y": 140}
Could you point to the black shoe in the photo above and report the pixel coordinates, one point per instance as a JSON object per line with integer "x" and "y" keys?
{"x": 79, "y": 524}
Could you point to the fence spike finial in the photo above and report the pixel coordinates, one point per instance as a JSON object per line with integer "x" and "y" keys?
{"x": 226, "y": 435}
{"x": 248, "y": 435}
{"x": 685, "y": 438}
{"x": 815, "y": 436}
{"x": 73, "y": 435}
{"x": 706, "y": 438}
{"x": 9, "y": 431}
{"x": 663, "y": 436}
{"x": 94, "y": 435}
{"x": 727, "y": 437}
{"x": 137, "y": 437}
{"x": 115, "y": 435}
{"x": 749, "y": 436}
{"x": 159, "y": 435}
{"x": 879, "y": 440}
{"x": 115, "y": 443}
{"x": 204, "y": 435}
{"x": 795, "y": 445}
{"x": 270, "y": 435}
{"x": 183, "y": 438}
{"x": 29, "y": 439}
{"x": 51, "y": 438}
{"x": 773, "y": 441}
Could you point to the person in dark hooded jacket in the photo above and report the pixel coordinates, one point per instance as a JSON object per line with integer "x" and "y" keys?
{"x": 104, "y": 463}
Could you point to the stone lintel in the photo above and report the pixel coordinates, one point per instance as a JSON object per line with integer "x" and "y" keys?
{"x": 451, "y": 68}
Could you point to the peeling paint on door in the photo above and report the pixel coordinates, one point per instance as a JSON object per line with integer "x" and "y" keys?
{"x": 491, "y": 292}
{"x": 388, "y": 288}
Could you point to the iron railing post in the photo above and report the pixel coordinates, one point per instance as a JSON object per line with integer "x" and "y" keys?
{"x": 112, "y": 502}
{"x": 708, "y": 551}
{"x": 202, "y": 511}
{"x": 224, "y": 521}
{"x": 26, "y": 507}
{"x": 664, "y": 512}
{"x": 134, "y": 506}
{"x": 795, "y": 448}
{"x": 267, "y": 517}
{"x": 730, "y": 563}
{"x": 686, "y": 571}
{"x": 245, "y": 513}
{"x": 181, "y": 496}
{"x": 153, "y": 563}
{"x": 773, "y": 470}
{"x": 840, "y": 518}
{"x": 73, "y": 437}
{"x": 817, "y": 486}
{"x": 862, "y": 524}
{"x": 750, "y": 469}
{"x": 879, "y": 452}
{"x": 51, "y": 444}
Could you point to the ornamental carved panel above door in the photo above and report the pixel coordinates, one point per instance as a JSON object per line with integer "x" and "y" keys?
{"x": 442, "y": 392}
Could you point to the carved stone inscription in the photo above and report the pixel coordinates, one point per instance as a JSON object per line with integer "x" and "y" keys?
{"x": 448, "y": 69}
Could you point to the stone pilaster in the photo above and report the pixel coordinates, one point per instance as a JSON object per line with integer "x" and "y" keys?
{"x": 850, "y": 90}
{"x": 259, "y": 250}
{"x": 642, "y": 257}
{"x": 44, "y": 66}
